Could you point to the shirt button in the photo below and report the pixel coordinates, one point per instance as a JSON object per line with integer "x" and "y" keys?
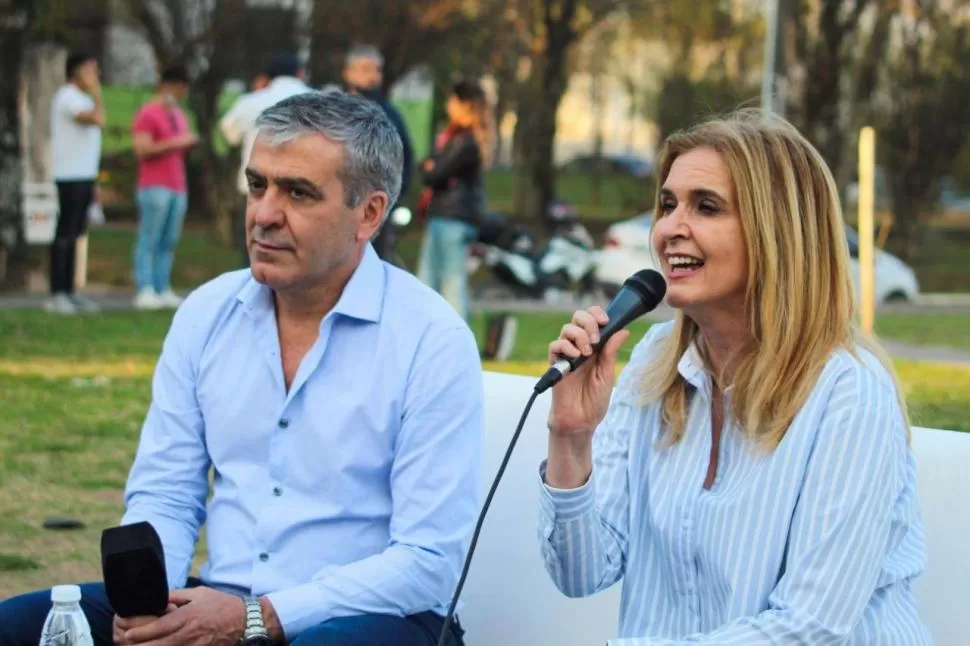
{"x": 284, "y": 423}
{"x": 264, "y": 557}
{"x": 277, "y": 491}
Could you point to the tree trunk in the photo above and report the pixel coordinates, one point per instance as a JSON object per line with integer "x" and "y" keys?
{"x": 501, "y": 108}
{"x": 16, "y": 18}
{"x": 818, "y": 113}
{"x": 547, "y": 82}
{"x": 505, "y": 101}
{"x": 214, "y": 186}
{"x": 539, "y": 146}
{"x": 596, "y": 172}
{"x": 520, "y": 142}
{"x": 43, "y": 74}
{"x": 633, "y": 116}
{"x": 906, "y": 223}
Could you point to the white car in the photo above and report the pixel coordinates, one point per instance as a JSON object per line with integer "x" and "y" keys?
{"x": 627, "y": 249}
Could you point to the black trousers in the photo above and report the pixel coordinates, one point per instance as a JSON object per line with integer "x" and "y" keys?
{"x": 75, "y": 198}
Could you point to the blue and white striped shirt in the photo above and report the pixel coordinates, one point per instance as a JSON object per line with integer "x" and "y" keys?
{"x": 815, "y": 543}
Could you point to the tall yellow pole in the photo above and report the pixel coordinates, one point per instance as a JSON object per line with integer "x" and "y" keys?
{"x": 867, "y": 170}
{"x": 81, "y": 262}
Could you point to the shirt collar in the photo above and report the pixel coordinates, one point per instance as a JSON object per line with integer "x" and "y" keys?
{"x": 691, "y": 367}
{"x": 362, "y": 298}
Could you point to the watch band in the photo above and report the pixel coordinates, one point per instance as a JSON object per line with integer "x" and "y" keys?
{"x": 255, "y": 630}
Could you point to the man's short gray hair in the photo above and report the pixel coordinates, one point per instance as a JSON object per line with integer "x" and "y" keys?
{"x": 373, "y": 152}
{"x": 364, "y": 51}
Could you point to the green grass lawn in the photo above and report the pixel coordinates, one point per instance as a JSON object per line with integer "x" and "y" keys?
{"x": 199, "y": 257}
{"x": 74, "y": 392}
{"x": 947, "y": 330}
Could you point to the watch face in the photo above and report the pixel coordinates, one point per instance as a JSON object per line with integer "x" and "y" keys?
{"x": 258, "y": 640}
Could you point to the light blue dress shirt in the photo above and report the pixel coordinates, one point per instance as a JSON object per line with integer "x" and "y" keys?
{"x": 814, "y": 543}
{"x": 355, "y": 492}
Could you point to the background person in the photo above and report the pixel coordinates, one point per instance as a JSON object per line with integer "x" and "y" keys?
{"x": 77, "y": 117}
{"x": 454, "y": 200}
{"x": 162, "y": 140}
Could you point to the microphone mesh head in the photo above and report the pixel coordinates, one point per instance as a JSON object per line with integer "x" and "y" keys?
{"x": 649, "y": 284}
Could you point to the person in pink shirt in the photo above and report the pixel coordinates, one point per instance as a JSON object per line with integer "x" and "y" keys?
{"x": 162, "y": 139}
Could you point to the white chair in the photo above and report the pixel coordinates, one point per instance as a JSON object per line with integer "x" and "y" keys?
{"x": 510, "y": 600}
{"x": 943, "y": 590}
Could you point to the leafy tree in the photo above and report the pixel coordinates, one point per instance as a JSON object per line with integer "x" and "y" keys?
{"x": 552, "y": 28}
{"x": 924, "y": 122}
{"x": 407, "y": 32}
{"x": 16, "y": 20}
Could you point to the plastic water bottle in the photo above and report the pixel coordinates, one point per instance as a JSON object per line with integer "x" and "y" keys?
{"x": 66, "y": 624}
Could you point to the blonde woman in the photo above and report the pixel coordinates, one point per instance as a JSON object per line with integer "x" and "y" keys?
{"x": 749, "y": 478}
{"x": 454, "y": 200}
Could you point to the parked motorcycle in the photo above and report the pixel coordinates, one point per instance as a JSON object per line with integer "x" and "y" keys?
{"x": 566, "y": 265}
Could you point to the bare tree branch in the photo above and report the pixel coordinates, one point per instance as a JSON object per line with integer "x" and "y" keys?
{"x": 145, "y": 16}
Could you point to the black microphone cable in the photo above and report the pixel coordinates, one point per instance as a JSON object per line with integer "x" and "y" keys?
{"x": 446, "y": 627}
{"x": 640, "y": 293}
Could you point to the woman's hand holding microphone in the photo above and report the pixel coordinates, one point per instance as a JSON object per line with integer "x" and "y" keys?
{"x": 580, "y": 400}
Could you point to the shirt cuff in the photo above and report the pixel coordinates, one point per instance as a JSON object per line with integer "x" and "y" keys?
{"x": 565, "y": 504}
{"x": 298, "y": 609}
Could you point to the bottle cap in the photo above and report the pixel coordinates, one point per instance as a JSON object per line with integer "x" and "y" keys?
{"x": 65, "y": 594}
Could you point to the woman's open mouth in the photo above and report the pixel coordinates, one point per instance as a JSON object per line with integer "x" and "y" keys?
{"x": 683, "y": 266}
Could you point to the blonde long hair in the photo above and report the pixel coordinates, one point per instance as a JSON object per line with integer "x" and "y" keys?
{"x": 799, "y": 300}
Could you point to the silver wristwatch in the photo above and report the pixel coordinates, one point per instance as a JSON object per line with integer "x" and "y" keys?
{"x": 254, "y": 634}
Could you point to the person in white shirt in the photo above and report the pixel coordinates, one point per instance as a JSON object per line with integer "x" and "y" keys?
{"x": 285, "y": 74}
{"x": 77, "y": 117}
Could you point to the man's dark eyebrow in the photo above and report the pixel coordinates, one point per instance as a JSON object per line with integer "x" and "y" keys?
{"x": 288, "y": 183}
{"x": 302, "y": 183}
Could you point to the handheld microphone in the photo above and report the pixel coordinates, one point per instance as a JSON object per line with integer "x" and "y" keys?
{"x": 641, "y": 293}
{"x": 133, "y": 566}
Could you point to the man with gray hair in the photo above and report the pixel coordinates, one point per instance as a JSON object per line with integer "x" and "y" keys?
{"x": 339, "y": 403}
